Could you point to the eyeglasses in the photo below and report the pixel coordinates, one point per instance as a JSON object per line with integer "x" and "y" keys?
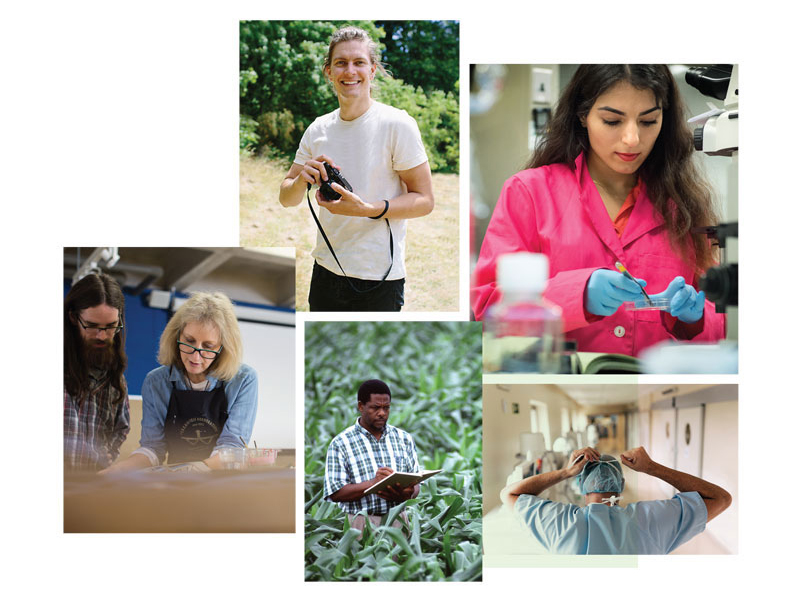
{"x": 190, "y": 349}
{"x": 93, "y": 330}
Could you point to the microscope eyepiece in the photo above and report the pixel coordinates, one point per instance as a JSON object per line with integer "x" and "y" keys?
{"x": 710, "y": 80}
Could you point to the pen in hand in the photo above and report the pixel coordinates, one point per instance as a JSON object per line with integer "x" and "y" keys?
{"x": 627, "y": 274}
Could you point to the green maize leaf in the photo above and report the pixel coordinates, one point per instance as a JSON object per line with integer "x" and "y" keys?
{"x": 472, "y": 572}
{"x": 393, "y": 512}
{"x": 446, "y": 547}
{"x": 386, "y": 569}
{"x": 415, "y": 533}
{"x": 329, "y": 558}
{"x": 313, "y": 539}
{"x": 409, "y": 568}
{"x": 314, "y": 499}
{"x": 337, "y": 572}
{"x": 350, "y": 537}
{"x": 396, "y": 536}
{"x": 435, "y": 572}
{"x": 434, "y": 523}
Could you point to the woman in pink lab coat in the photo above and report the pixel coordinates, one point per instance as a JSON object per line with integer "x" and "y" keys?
{"x": 612, "y": 180}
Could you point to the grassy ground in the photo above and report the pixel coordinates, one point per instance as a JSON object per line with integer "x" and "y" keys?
{"x": 431, "y": 242}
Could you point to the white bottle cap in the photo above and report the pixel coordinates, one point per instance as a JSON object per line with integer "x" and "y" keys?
{"x": 522, "y": 272}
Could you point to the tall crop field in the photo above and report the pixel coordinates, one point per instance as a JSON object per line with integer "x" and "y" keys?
{"x": 434, "y": 372}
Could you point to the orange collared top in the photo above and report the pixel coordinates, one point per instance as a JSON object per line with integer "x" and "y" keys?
{"x": 627, "y": 208}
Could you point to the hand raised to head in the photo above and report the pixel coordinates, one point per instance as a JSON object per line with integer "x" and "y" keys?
{"x": 636, "y": 459}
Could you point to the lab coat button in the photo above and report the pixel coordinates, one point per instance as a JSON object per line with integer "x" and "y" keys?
{"x": 619, "y": 331}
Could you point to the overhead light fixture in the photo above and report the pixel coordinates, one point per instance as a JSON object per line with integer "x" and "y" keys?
{"x": 100, "y": 258}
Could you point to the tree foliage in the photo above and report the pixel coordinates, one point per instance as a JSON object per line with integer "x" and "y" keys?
{"x": 423, "y": 53}
{"x": 282, "y": 86}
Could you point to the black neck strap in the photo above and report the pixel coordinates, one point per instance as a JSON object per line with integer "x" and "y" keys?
{"x": 330, "y": 247}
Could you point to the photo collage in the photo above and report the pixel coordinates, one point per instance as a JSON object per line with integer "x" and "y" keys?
{"x": 481, "y": 320}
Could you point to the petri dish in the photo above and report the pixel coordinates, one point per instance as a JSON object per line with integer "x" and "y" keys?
{"x": 654, "y": 304}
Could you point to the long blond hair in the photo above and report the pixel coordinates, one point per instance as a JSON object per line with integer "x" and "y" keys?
{"x": 211, "y": 309}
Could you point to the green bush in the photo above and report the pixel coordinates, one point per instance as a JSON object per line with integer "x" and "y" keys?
{"x": 423, "y": 52}
{"x": 248, "y": 134}
{"x": 436, "y": 115}
{"x": 280, "y": 130}
{"x": 434, "y": 372}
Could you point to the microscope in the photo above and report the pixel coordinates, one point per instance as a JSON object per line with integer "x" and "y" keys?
{"x": 717, "y": 134}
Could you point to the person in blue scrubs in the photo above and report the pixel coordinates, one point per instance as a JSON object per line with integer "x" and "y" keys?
{"x": 604, "y": 527}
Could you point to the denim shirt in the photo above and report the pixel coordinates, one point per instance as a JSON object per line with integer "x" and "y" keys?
{"x": 241, "y": 392}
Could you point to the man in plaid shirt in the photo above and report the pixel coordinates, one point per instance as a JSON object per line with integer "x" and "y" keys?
{"x": 367, "y": 452}
{"x": 96, "y": 409}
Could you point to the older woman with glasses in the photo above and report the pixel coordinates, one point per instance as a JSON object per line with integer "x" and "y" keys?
{"x": 202, "y": 397}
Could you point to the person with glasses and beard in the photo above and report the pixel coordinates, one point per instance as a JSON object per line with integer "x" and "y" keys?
{"x": 202, "y": 398}
{"x": 96, "y": 409}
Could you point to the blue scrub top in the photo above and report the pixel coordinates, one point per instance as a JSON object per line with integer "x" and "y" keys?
{"x": 645, "y": 527}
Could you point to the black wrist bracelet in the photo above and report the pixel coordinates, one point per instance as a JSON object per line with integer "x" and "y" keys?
{"x": 385, "y": 208}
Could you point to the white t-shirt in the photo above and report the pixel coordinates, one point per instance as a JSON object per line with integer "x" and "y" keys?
{"x": 369, "y": 152}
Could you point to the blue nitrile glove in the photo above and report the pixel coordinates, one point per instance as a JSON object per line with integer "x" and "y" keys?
{"x": 685, "y": 302}
{"x": 606, "y": 290}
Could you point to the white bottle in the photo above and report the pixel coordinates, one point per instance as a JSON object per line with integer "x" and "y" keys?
{"x": 522, "y": 333}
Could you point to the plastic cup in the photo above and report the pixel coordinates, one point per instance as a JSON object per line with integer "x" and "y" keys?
{"x": 260, "y": 456}
{"x": 233, "y": 458}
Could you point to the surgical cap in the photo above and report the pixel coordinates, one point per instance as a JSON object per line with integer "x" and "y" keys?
{"x": 602, "y": 476}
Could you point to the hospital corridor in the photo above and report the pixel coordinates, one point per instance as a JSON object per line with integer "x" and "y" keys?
{"x": 531, "y": 429}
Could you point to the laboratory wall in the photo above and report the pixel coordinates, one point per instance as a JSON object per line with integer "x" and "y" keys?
{"x": 500, "y": 140}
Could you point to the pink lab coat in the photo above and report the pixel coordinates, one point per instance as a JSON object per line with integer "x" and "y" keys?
{"x": 558, "y": 212}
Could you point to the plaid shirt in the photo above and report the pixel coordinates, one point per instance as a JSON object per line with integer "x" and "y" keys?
{"x": 95, "y": 430}
{"x": 355, "y": 455}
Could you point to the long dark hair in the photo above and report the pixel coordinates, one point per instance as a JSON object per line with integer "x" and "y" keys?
{"x": 677, "y": 189}
{"x": 90, "y": 291}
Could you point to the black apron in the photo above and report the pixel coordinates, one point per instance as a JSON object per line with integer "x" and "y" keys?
{"x": 194, "y": 421}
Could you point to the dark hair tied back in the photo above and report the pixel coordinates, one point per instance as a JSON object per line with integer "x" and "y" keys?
{"x": 675, "y": 186}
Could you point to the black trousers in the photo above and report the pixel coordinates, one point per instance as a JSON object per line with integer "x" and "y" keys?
{"x": 331, "y": 292}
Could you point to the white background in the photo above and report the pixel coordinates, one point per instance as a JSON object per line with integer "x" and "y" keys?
{"x": 119, "y": 124}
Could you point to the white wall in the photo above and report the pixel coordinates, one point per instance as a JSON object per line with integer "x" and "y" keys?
{"x": 501, "y": 429}
{"x": 721, "y": 466}
{"x": 714, "y": 458}
{"x": 270, "y": 350}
